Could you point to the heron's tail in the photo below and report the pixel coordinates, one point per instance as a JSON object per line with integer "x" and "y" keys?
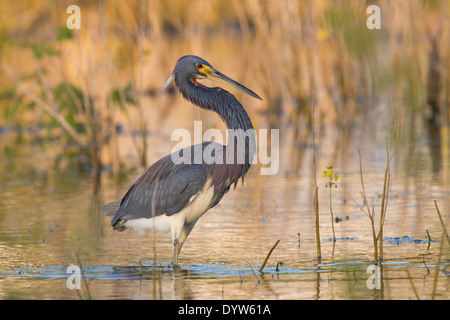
{"x": 111, "y": 208}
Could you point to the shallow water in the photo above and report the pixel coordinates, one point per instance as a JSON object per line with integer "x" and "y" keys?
{"x": 50, "y": 221}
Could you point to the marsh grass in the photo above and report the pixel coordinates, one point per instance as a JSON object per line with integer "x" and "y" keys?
{"x": 441, "y": 249}
{"x": 442, "y": 222}
{"x": 329, "y": 173}
{"x": 412, "y": 284}
{"x": 156, "y": 272}
{"x": 126, "y": 47}
{"x": 316, "y": 188}
{"x": 268, "y": 256}
{"x": 377, "y": 236}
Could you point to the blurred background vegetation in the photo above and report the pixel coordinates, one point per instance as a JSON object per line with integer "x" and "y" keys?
{"x": 92, "y": 97}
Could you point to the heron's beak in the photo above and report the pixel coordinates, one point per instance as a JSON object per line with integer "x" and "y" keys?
{"x": 217, "y": 75}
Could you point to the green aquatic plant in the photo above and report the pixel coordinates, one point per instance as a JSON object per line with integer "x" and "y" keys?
{"x": 333, "y": 178}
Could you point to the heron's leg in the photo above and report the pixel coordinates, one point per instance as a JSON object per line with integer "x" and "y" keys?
{"x": 178, "y": 240}
{"x": 187, "y": 228}
{"x": 176, "y": 251}
{"x": 176, "y": 243}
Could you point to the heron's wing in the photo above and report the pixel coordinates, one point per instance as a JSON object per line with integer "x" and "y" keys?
{"x": 161, "y": 191}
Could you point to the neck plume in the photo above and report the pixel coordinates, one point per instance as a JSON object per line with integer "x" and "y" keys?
{"x": 241, "y": 146}
{"x": 215, "y": 99}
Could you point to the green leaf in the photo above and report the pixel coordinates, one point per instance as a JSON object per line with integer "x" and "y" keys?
{"x": 63, "y": 33}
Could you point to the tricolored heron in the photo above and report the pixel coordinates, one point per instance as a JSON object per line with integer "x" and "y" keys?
{"x": 171, "y": 196}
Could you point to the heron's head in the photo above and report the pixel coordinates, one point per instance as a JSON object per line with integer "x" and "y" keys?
{"x": 194, "y": 68}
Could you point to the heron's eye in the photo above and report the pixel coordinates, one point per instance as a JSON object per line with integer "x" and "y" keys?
{"x": 199, "y": 66}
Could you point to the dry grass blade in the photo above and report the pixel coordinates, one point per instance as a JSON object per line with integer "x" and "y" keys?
{"x": 316, "y": 188}
{"x": 442, "y": 222}
{"x": 412, "y": 285}
{"x": 444, "y": 235}
{"x": 369, "y": 213}
{"x": 438, "y": 263}
{"x": 83, "y": 293}
{"x": 384, "y": 200}
{"x": 268, "y": 256}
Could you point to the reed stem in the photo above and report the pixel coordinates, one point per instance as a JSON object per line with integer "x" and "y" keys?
{"x": 331, "y": 212}
{"x": 316, "y": 188}
{"x": 442, "y": 222}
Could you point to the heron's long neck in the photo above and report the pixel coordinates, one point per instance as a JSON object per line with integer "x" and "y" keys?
{"x": 236, "y": 119}
{"x": 218, "y": 100}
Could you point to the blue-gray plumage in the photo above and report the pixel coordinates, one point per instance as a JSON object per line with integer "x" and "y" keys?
{"x": 172, "y": 196}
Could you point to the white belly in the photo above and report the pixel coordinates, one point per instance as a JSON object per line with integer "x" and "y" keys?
{"x": 196, "y": 207}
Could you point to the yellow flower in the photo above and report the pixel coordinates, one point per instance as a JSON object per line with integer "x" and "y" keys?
{"x": 322, "y": 34}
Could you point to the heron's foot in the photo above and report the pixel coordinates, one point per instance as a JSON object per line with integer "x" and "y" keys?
{"x": 176, "y": 267}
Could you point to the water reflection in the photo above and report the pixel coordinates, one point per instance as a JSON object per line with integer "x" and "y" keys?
{"x": 49, "y": 220}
